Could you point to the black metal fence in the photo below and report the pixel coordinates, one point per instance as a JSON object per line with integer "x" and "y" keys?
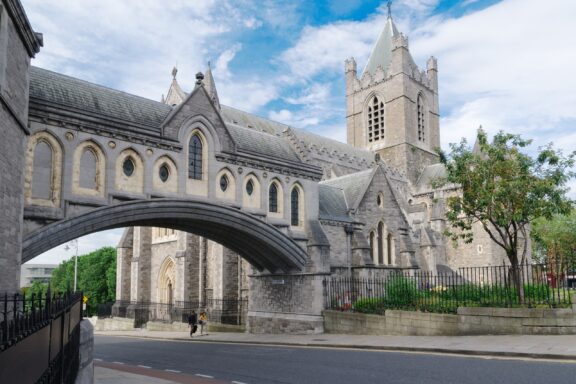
{"x": 224, "y": 311}
{"x": 527, "y": 285}
{"x": 40, "y": 338}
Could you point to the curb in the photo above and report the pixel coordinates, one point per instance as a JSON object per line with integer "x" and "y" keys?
{"x": 444, "y": 351}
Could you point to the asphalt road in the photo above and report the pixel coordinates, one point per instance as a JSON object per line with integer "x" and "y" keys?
{"x": 254, "y": 364}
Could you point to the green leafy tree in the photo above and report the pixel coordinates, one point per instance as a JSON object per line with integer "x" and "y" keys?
{"x": 96, "y": 277}
{"x": 554, "y": 240}
{"x": 504, "y": 189}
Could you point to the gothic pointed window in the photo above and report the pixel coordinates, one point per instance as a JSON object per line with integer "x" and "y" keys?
{"x": 375, "y": 120}
{"x": 421, "y": 125}
{"x": 389, "y": 249}
{"x": 195, "y": 158}
{"x": 372, "y": 250}
{"x": 380, "y": 243}
{"x": 273, "y": 198}
{"x": 294, "y": 207}
{"x": 42, "y": 176}
{"x": 88, "y": 163}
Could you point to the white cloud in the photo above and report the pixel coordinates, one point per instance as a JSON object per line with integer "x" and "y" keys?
{"x": 86, "y": 244}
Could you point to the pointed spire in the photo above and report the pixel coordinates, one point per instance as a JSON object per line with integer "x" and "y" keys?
{"x": 174, "y": 73}
{"x": 210, "y": 86}
{"x": 382, "y": 52}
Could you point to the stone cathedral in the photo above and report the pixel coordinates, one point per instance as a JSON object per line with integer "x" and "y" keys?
{"x": 370, "y": 207}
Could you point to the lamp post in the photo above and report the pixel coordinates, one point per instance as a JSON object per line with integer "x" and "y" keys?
{"x": 74, "y": 243}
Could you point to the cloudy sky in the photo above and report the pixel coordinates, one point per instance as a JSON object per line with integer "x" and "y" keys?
{"x": 502, "y": 64}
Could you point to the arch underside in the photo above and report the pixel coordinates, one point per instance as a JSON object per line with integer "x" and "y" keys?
{"x": 261, "y": 244}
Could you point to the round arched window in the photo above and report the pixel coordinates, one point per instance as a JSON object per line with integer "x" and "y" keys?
{"x": 249, "y": 187}
{"x": 164, "y": 173}
{"x": 224, "y": 183}
{"x": 128, "y": 166}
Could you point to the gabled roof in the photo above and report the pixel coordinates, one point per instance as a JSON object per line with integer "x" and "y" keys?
{"x": 381, "y": 55}
{"x": 353, "y": 185}
{"x": 92, "y": 99}
{"x": 332, "y": 204}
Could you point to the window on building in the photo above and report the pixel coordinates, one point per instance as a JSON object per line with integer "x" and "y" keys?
{"x": 421, "y": 131}
{"x": 195, "y": 158}
{"x": 164, "y": 173}
{"x": 372, "y": 250}
{"x": 88, "y": 165}
{"x": 250, "y": 187}
{"x": 128, "y": 166}
{"x": 273, "y": 198}
{"x": 375, "y": 120}
{"x": 295, "y": 207}
{"x": 42, "y": 176}
{"x": 389, "y": 249}
{"x": 224, "y": 183}
{"x": 380, "y": 243}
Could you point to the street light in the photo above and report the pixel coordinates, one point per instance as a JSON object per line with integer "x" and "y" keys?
{"x": 74, "y": 243}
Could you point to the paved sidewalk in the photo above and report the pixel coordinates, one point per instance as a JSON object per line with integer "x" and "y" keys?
{"x": 522, "y": 346}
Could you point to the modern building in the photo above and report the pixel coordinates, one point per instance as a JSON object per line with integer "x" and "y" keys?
{"x": 36, "y": 272}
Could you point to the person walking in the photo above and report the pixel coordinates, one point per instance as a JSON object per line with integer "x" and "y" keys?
{"x": 193, "y": 322}
{"x": 203, "y": 321}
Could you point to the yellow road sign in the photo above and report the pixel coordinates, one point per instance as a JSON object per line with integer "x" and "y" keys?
{"x": 84, "y": 299}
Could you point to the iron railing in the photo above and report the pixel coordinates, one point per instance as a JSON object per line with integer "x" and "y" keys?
{"x": 40, "y": 338}
{"x": 225, "y": 311}
{"x": 526, "y": 285}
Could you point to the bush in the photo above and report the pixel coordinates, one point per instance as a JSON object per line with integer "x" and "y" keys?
{"x": 370, "y": 305}
{"x": 401, "y": 292}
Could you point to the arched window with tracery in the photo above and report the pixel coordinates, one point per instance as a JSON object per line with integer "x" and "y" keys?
{"x": 195, "y": 148}
{"x": 295, "y": 207}
{"x": 421, "y": 125}
{"x": 380, "y": 243}
{"x": 273, "y": 198}
{"x": 375, "y": 120}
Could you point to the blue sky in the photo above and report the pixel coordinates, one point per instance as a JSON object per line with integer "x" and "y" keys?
{"x": 502, "y": 64}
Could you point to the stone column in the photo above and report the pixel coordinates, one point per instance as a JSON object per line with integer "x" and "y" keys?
{"x": 124, "y": 253}
{"x": 18, "y": 43}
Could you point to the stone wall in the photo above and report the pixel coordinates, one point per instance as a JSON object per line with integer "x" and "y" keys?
{"x": 285, "y": 304}
{"x": 468, "y": 321}
{"x": 14, "y": 64}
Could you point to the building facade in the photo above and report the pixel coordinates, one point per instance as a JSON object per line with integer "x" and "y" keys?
{"x": 370, "y": 210}
{"x": 31, "y": 273}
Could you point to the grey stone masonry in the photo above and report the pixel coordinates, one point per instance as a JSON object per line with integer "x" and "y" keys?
{"x": 17, "y": 44}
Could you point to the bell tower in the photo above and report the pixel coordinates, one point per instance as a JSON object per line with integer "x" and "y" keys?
{"x": 392, "y": 108}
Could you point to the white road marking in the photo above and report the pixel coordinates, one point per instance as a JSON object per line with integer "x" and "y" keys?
{"x": 204, "y": 376}
{"x": 118, "y": 362}
{"x": 144, "y": 366}
{"x": 98, "y": 360}
{"x": 172, "y": 370}
{"x": 238, "y": 382}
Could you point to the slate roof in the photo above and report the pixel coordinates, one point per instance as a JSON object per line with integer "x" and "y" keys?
{"x": 331, "y": 146}
{"x": 263, "y": 143}
{"x": 429, "y": 174}
{"x": 248, "y": 120}
{"x": 332, "y": 204}
{"x": 381, "y": 55}
{"x": 82, "y": 96}
{"x": 353, "y": 185}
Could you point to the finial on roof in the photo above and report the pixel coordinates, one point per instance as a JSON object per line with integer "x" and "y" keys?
{"x": 174, "y": 72}
{"x": 199, "y": 78}
{"x": 389, "y": 5}
{"x": 209, "y": 65}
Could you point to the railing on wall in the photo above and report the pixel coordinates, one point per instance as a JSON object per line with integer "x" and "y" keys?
{"x": 526, "y": 285}
{"x": 40, "y": 338}
{"x": 224, "y": 311}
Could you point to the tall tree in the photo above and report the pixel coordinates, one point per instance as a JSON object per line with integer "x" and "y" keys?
{"x": 96, "y": 277}
{"x": 504, "y": 189}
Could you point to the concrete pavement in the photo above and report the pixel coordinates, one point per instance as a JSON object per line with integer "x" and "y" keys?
{"x": 512, "y": 346}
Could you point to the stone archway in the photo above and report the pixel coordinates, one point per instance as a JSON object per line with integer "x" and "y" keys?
{"x": 261, "y": 244}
